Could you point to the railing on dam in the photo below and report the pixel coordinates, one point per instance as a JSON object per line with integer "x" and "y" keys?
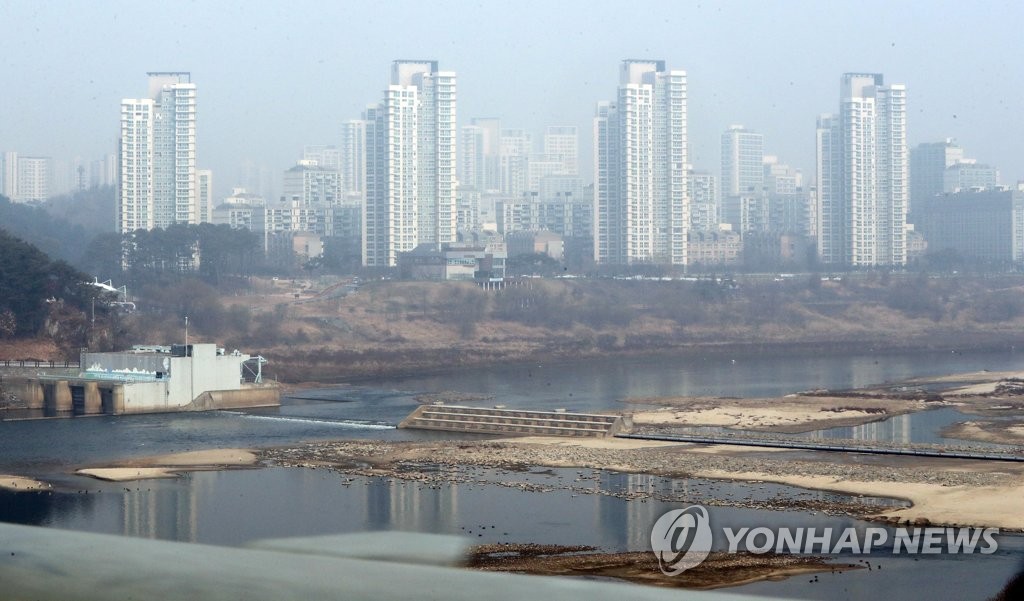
{"x": 38, "y": 363}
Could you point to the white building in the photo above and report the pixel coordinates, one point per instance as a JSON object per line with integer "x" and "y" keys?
{"x": 204, "y": 196}
{"x": 472, "y": 161}
{"x": 742, "y": 161}
{"x": 9, "y": 175}
{"x": 562, "y": 143}
{"x": 703, "y": 189}
{"x": 863, "y": 175}
{"x": 33, "y": 179}
{"x": 969, "y": 175}
{"x": 642, "y": 203}
{"x": 241, "y": 210}
{"x": 514, "y": 159}
{"x": 410, "y": 164}
{"x": 26, "y": 179}
{"x": 352, "y": 157}
{"x": 157, "y": 183}
{"x": 328, "y": 157}
{"x": 312, "y": 185}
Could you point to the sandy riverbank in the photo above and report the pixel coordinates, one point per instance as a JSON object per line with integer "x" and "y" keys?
{"x": 169, "y": 466}
{"x": 21, "y": 484}
{"x": 993, "y": 506}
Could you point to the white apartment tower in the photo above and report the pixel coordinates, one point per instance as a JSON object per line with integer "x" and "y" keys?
{"x": 410, "y": 164}
{"x": 640, "y": 167}
{"x": 862, "y": 161}
{"x": 742, "y": 161}
{"x": 34, "y": 177}
{"x": 157, "y": 183}
{"x": 353, "y": 158}
{"x": 561, "y": 143}
{"x": 204, "y": 196}
{"x": 472, "y": 161}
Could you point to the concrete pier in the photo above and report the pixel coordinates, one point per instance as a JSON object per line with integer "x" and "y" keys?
{"x": 57, "y": 396}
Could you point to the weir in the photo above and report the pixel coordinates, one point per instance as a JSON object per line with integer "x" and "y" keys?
{"x": 514, "y": 422}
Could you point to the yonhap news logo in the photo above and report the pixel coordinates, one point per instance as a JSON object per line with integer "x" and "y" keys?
{"x": 683, "y": 538}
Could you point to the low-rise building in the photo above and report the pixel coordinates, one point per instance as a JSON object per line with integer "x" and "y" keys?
{"x": 454, "y": 262}
{"x": 715, "y": 248}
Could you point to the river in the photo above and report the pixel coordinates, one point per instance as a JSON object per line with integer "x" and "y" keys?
{"x": 233, "y": 507}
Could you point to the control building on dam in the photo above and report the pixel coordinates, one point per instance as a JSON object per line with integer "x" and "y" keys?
{"x": 150, "y": 379}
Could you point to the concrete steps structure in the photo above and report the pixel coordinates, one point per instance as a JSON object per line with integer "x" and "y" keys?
{"x": 513, "y": 422}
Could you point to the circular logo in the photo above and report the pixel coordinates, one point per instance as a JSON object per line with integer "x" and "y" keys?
{"x": 681, "y": 539}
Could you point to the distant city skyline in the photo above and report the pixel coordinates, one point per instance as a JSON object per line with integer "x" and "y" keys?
{"x": 276, "y": 78}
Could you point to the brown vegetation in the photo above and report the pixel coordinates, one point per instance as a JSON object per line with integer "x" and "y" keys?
{"x": 331, "y": 328}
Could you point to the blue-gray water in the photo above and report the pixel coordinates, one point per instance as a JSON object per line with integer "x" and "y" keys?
{"x": 235, "y": 506}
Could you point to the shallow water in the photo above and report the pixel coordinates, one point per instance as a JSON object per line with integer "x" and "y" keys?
{"x": 238, "y": 506}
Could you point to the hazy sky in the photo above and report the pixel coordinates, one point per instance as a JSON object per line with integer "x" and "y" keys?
{"x": 274, "y": 76}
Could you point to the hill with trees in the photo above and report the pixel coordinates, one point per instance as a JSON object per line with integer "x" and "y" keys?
{"x": 40, "y": 297}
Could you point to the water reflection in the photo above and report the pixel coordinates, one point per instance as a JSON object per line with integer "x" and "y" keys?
{"x": 575, "y": 507}
{"x": 606, "y": 509}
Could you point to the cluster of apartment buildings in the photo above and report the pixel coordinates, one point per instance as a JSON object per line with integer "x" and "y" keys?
{"x": 36, "y": 178}
{"x": 405, "y": 178}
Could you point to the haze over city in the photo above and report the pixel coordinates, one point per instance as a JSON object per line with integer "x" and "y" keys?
{"x": 273, "y": 78}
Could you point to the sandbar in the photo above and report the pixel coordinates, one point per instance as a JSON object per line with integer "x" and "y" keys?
{"x": 933, "y": 503}
{"x": 169, "y": 466}
{"x": 21, "y": 484}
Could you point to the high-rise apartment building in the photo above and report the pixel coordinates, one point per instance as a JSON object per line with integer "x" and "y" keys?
{"x": 34, "y": 179}
{"x": 204, "y": 196}
{"x": 928, "y": 164}
{"x": 157, "y": 165}
{"x": 862, "y": 175}
{"x": 9, "y": 175}
{"x": 311, "y": 185}
{"x": 328, "y": 157}
{"x": 490, "y": 128}
{"x": 410, "y": 164}
{"x": 472, "y": 162}
{"x": 703, "y": 189}
{"x": 25, "y": 178}
{"x": 640, "y": 168}
{"x": 516, "y": 147}
{"x": 562, "y": 143}
{"x": 742, "y": 161}
{"x": 353, "y": 158}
